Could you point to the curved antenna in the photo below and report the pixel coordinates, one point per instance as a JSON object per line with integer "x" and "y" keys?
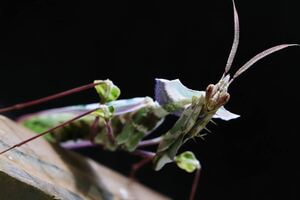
{"x": 260, "y": 56}
{"x": 235, "y": 40}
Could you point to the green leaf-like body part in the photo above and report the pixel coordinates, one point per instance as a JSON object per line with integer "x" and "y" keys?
{"x": 124, "y": 136}
{"x": 39, "y": 124}
{"x": 187, "y": 161}
{"x": 167, "y": 156}
{"x": 134, "y": 140}
{"x": 130, "y": 137}
{"x": 103, "y": 139}
{"x": 105, "y": 112}
{"x": 107, "y": 91}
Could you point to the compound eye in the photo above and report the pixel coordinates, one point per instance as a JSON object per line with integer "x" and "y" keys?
{"x": 209, "y": 91}
{"x": 224, "y": 98}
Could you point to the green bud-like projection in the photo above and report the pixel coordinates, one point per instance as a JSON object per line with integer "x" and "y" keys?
{"x": 107, "y": 91}
{"x": 187, "y": 161}
{"x": 105, "y": 112}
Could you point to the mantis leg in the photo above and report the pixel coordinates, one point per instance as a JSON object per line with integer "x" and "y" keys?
{"x": 78, "y": 145}
{"x": 135, "y": 167}
{"x": 195, "y": 185}
{"x": 150, "y": 142}
{"x": 48, "y": 98}
{"x": 147, "y": 157}
{"x": 110, "y": 131}
{"x": 94, "y": 129}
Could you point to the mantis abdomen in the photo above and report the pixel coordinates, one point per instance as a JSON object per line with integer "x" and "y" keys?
{"x": 133, "y": 119}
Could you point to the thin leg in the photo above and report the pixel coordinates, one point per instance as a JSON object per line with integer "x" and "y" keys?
{"x": 110, "y": 131}
{"x": 195, "y": 185}
{"x": 135, "y": 167}
{"x": 150, "y": 142}
{"x": 143, "y": 154}
{"x": 48, "y": 98}
{"x": 48, "y": 131}
{"x": 94, "y": 129}
{"x": 71, "y": 145}
{"x": 147, "y": 157}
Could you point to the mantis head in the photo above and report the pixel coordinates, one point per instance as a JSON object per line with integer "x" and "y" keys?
{"x": 217, "y": 95}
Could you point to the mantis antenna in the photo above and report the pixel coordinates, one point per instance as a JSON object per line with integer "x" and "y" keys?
{"x": 253, "y": 60}
{"x": 235, "y": 41}
{"x": 259, "y": 56}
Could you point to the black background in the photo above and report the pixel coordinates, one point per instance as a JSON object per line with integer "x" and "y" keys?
{"x": 50, "y": 46}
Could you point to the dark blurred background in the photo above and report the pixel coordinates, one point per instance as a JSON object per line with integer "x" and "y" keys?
{"x": 48, "y": 46}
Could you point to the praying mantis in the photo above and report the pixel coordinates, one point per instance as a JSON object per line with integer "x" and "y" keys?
{"x": 123, "y": 124}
